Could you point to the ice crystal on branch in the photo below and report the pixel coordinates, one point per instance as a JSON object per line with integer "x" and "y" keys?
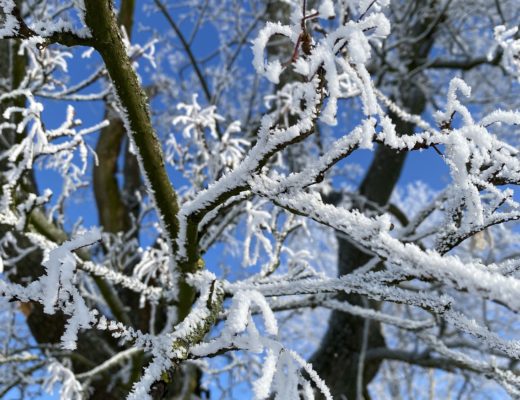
{"x": 206, "y": 163}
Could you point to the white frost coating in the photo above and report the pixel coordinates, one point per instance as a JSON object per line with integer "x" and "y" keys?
{"x": 123, "y": 113}
{"x": 257, "y": 224}
{"x": 70, "y": 388}
{"x": 376, "y": 5}
{"x": 359, "y": 53}
{"x": 56, "y": 289}
{"x": 152, "y": 293}
{"x": 325, "y": 53}
{"x": 140, "y": 390}
{"x": 510, "y": 44}
{"x": 216, "y": 152}
{"x": 267, "y": 143}
{"x": 280, "y": 375}
{"x": 239, "y": 321}
{"x": 56, "y": 147}
{"x": 241, "y": 307}
{"x": 195, "y": 117}
{"x": 262, "y": 386}
{"x": 313, "y": 375}
{"x": 118, "y": 358}
{"x": 453, "y": 104}
{"x": 58, "y": 286}
{"x": 80, "y": 7}
{"x": 326, "y": 9}
{"x": 501, "y": 116}
{"x": 379, "y": 316}
{"x": 234, "y": 190}
{"x": 373, "y": 234}
{"x": 321, "y": 56}
{"x": 161, "y": 346}
{"x": 273, "y": 69}
{"x": 285, "y": 384}
{"x": 42, "y": 28}
{"x": 10, "y": 24}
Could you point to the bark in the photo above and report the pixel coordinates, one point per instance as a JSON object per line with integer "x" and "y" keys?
{"x": 108, "y": 42}
{"x": 115, "y": 207}
{"x": 113, "y": 214}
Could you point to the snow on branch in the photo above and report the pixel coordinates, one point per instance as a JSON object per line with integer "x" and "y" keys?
{"x": 508, "y": 40}
{"x": 55, "y": 147}
{"x": 43, "y": 32}
{"x": 56, "y": 289}
{"x": 242, "y": 193}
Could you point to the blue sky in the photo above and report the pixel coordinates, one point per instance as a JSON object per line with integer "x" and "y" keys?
{"x": 426, "y": 165}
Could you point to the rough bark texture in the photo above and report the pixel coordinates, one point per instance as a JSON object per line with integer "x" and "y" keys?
{"x": 113, "y": 215}
{"x": 115, "y": 207}
{"x": 107, "y": 40}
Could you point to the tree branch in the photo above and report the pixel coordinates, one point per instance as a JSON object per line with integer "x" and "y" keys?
{"x": 187, "y": 49}
{"x": 107, "y": 40}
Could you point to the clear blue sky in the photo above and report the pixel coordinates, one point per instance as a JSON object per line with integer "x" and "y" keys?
{"x": 426, "y": 165}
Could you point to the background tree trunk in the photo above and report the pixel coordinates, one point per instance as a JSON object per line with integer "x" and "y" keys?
{"x": 342, "y": 343}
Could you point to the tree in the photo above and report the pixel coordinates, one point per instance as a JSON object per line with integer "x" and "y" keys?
{"x": 220, "y": 200}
